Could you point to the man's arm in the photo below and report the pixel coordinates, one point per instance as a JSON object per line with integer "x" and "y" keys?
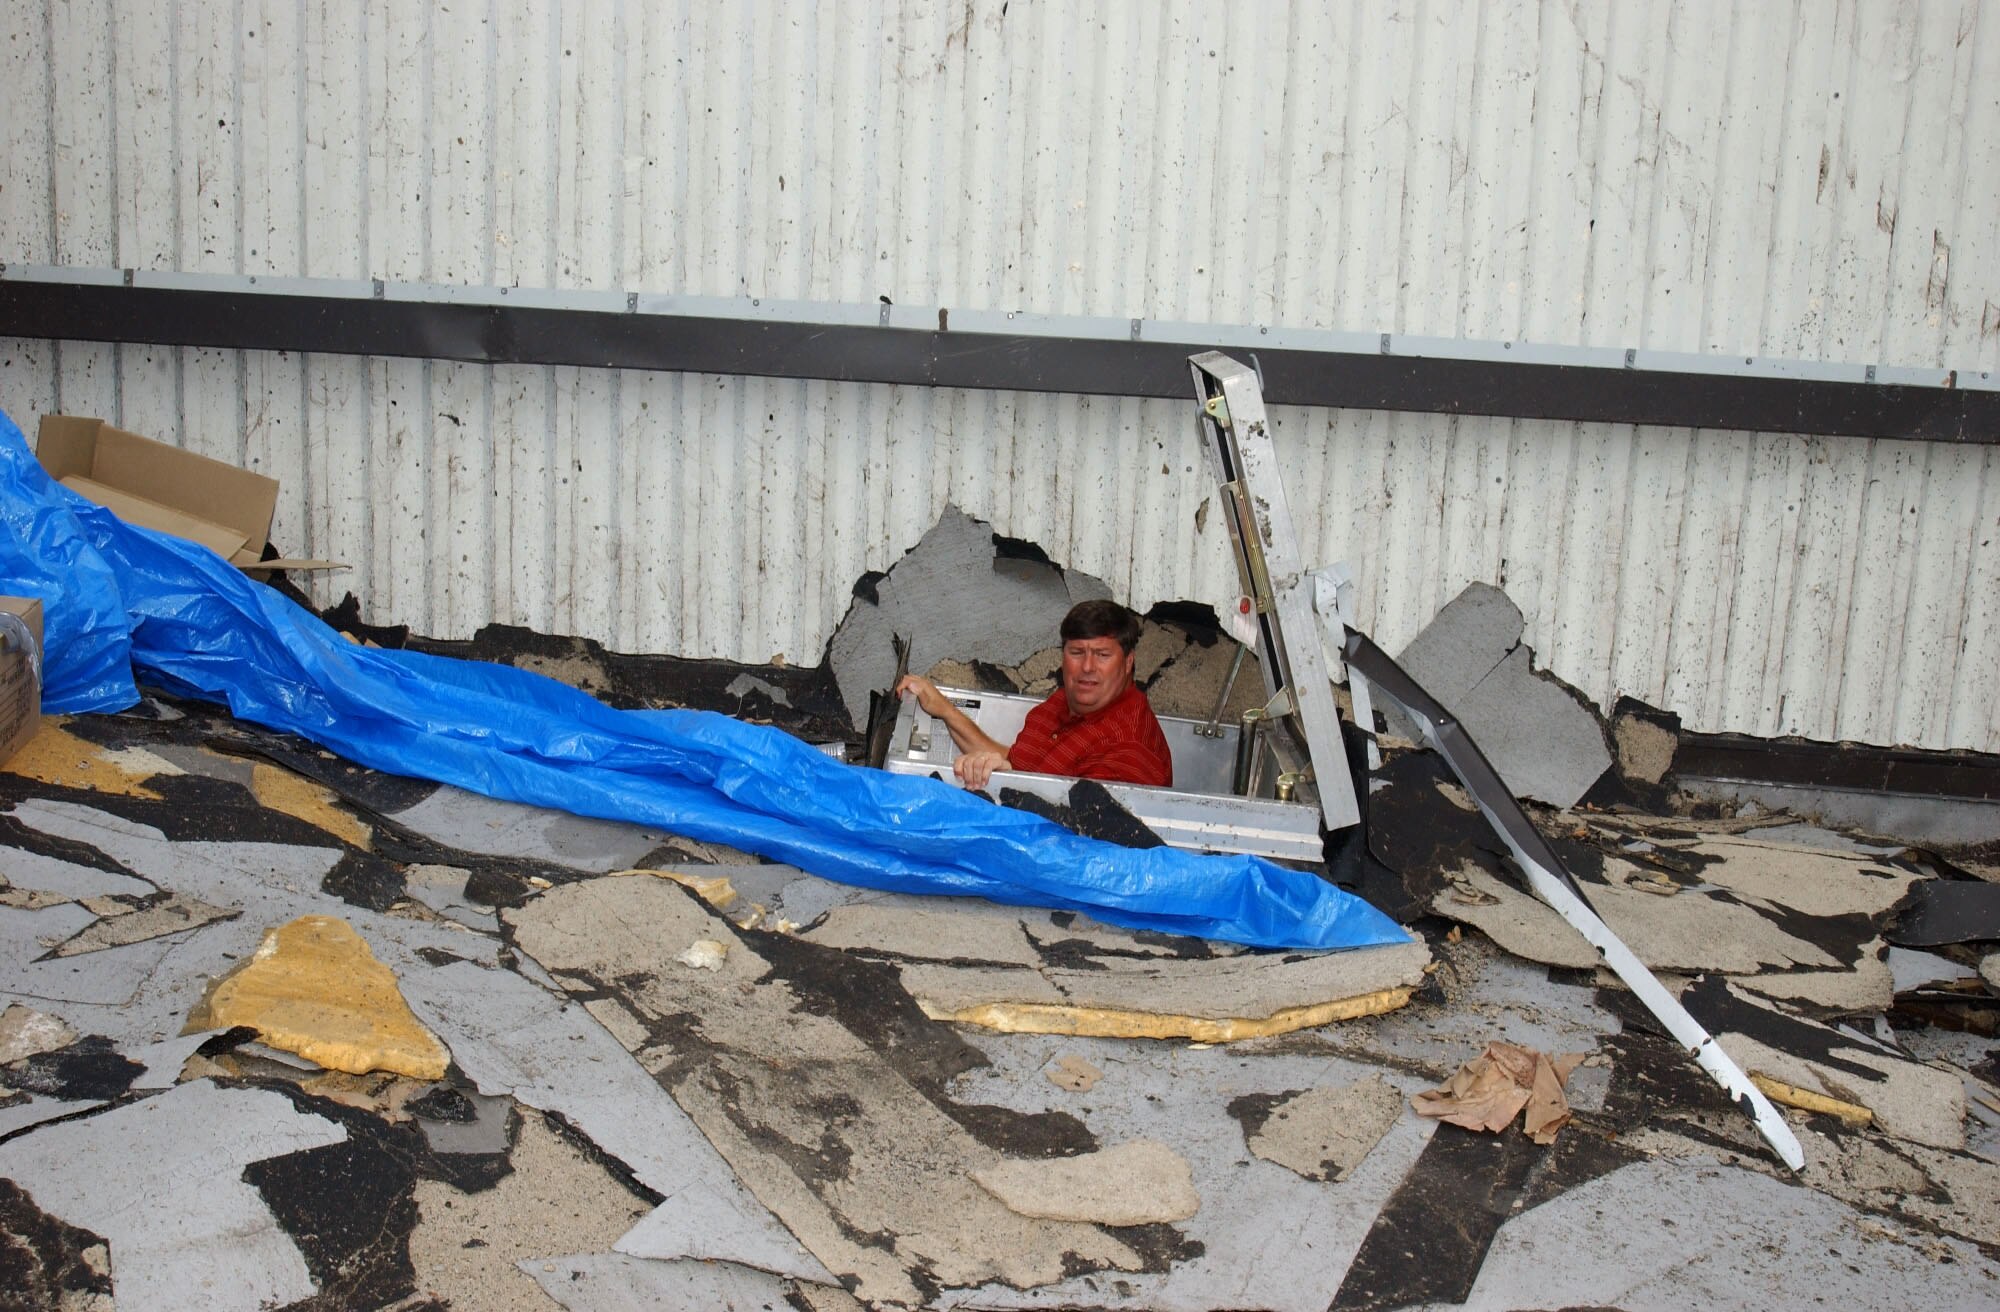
{"x": 979, "y": 753}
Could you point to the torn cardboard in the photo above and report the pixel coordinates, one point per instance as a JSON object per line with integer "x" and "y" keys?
{"x": 157, "y": 486}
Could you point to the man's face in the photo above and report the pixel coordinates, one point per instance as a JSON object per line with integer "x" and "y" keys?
{"x": 1095, "y": 672}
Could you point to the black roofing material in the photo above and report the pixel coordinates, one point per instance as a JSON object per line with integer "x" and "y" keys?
{"x": 1503, "y": 812}
{"x": 509, "y": 334}
{"x": 87, "y": 1070}
{"x": 351, "y": 1206}
{"x": 1940, "y": 911}
{"x": 1418, "y": 832}
{"x": 1429, "y": 1239}
{"x": 1091, "y": 811}
{"x": 1856, "y": 766}
{"x": 42, "y": 1259}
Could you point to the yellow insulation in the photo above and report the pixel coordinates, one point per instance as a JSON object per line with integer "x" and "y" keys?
{"x": 1806, "y": 1100}
{"x": 1112, "y": 1023}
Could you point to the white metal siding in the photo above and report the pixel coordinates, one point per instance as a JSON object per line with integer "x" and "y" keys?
{"x": 1812, "y": 180}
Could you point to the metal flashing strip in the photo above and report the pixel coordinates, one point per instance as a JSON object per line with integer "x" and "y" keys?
{"x": 1552, "y": 882}
{"x": 1847, "y": 767}
{"x": 990, "y": 350}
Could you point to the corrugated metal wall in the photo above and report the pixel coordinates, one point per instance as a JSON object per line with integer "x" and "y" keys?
{"x": 1815, "y": 180}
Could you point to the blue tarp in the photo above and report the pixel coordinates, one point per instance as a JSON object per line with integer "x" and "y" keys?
{"x": 118, "y": 598}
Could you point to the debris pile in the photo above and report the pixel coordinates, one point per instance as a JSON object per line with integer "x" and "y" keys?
{"x": 289, "y": 1031}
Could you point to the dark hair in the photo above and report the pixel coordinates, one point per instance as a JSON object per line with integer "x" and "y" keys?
{"x": 1102, "y": 619}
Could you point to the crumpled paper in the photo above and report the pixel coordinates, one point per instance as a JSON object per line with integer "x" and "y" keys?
{"x": 1489, "y": 1091}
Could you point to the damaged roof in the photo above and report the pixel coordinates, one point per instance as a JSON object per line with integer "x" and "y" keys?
{"x": 675, "y": 1075}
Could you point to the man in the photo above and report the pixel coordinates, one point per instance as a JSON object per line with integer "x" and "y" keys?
{"x": 1097, "y": 725}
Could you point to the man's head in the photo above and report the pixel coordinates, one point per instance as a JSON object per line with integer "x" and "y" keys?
{"x": 1098, "y": 641}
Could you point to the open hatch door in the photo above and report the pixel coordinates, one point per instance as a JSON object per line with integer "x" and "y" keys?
{"x": 1301, "y": 718}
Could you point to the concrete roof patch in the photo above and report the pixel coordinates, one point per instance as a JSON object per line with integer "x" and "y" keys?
{"x": 161, "y": 1179}
{"x": 759, "y": 1077}
{"x": 952, "y": 595}
{"x": 512, "y": 1037}
{"x": 1542, "y": 738}
{"x": 615, "y": 1282}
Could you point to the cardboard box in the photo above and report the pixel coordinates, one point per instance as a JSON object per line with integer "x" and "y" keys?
{"x": 20, "y": 674}
{"x": 149, "y": 483}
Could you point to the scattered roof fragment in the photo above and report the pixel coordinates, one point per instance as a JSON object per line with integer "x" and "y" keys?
{"x": 1136, "y": 1183}
{"x": 1073, "y": 1073}
{"x": 124, "y": 923}
{"x": 1058, "y": 973}
{"x": 474, "y": 1249}
{"x": 516, "y": 1038}
{"x": 1542, "y": 737}
{"x": 1324, "y": 1133}
{"x": 25, "y": 1032}
{"x": 162, "y": 1180}
{"x": 615, "y": 1282}
{"x": 841, "y": 1144}
{"x": 1908, "y": 1099}
{"x": 313, "y": 987}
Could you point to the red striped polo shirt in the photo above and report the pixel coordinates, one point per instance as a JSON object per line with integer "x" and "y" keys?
{"x": 1122, "y": 742}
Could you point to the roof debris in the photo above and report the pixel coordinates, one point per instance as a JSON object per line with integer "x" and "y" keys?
{"x": 1503, "y": 1082}
{"x": 161, "y": 1180}
{"x": 120, "y": 922}
{"x": 1138, "y": 1183}
{"x": 1323, "y": 1134}
{"x": 831, "y": 1132}
{"x": 1542, "y": 737}
{"x": 857, "y": 1102}
{"x": 25, "y": 1032}
{"x": 1073, "y": 1073}
{"x": 314, "y": 988}
{"x": 1021, "y": 970}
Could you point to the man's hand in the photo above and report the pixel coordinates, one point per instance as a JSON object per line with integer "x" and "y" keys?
{"x": 935, "y": 703}
{"x": 975, "y": 768}
{"x": 982, "y": 754}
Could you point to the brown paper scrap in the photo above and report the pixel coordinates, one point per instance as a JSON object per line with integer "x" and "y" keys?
{"x": 1073, "y": 1073}
{"x": 1489, "y": 1091}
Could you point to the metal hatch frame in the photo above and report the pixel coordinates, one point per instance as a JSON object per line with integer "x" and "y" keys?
{"x": 1237, "y": 437}
{"x": 1283, "y": 594}
{"x": 1186, "y": 815}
